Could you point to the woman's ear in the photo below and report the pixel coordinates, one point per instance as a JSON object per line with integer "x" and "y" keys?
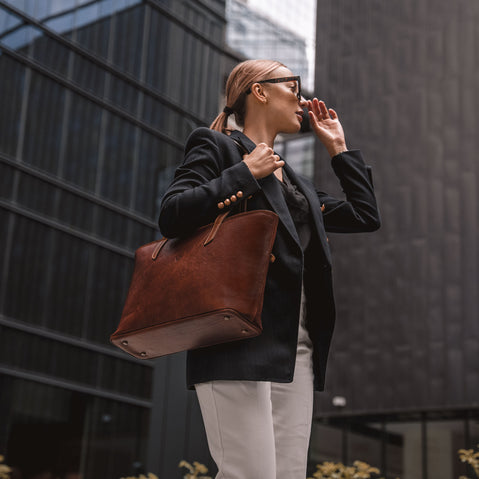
{"x": 259, "y": 93}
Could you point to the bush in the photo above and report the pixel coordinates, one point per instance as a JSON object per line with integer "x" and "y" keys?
{"x": 331, "y": 470}
{"x": 471, "y": 457}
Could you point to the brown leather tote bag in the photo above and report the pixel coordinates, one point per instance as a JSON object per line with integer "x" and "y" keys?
{"x": 206, "y": 289}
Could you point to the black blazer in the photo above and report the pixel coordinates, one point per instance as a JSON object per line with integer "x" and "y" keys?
{"x": 213, "y": 171}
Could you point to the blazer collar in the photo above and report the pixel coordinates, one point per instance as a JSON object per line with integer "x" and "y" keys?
{"x": 240, "y": 137}
{"x": 271, "y": 188}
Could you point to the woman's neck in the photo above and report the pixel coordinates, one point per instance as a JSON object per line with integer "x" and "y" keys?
{"x": 259, "y": 134}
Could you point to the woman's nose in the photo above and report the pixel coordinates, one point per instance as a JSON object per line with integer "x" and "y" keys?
{"x": 303, "y": 102}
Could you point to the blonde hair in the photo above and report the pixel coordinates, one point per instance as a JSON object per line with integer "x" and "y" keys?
{"x": 240, "y": 79}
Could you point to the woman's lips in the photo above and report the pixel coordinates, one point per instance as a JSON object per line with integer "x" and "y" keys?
{"x": 299, "y": 115}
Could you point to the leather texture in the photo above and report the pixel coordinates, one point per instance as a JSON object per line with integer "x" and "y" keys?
{"x": 201, "y": 290}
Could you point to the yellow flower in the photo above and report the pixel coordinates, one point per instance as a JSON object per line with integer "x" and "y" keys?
{"x": 200, "y": 468}
{"x": 471, "y": 457}
{"x": 187, "y": 465}
{"x": 365, "y": 467}
{"x": 4, "y": 470}
{"x": 331, "y": 470}
{"x": 194, "y": 471}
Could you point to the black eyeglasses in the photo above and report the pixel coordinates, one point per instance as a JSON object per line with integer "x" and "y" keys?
{"x": 282, "y": 80}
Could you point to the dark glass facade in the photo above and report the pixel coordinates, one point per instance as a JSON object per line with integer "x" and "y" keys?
{"x": 97, "y": 100}
{"x": 405, "y": 356}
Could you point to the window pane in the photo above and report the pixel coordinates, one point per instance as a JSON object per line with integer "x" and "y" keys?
{"x": 364, "y": 444}
{"x": 412, "y": 462}
{"x": 44, "y": 123}
{"x": 52, "y": 54}
{"x": 82, "y": 128}
{"x": 8, "y": 22}
{"x": 53, "y": 432}
{"x": 444, "y": 439}
{"x": 11, "y": 87}
{"x": 108, "y": 284}
{"x": 325, "y": 445}
{"x": 118, "y": 159}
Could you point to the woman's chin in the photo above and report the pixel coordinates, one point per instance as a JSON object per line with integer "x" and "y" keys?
{"x": 291, "y": 129}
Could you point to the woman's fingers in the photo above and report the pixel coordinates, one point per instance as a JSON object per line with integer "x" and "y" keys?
{"x": 320, "y": 110}
{"x": 315, "y": 108}
{"x": 262, "y": 161}
{"x": 278, "y": 162}
{"x": 313, "y": 119}
{"x": 326, "y": 125}
{"x": 323, "y": 109}
{"x": 333, "y": 114}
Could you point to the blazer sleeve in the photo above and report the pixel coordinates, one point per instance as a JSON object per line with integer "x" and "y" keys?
{"x": 207, "y": 176}
{"x": 359, "y": 213}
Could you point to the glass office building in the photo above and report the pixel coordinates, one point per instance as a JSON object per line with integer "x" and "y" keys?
{"x": 403, "y": 383}
{"x": 257, "y": 36}
{"x": 97, "y": 100}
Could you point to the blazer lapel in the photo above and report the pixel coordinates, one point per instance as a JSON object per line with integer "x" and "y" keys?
{"x": 272, "y": 190}
{"x": 315, "y": 207}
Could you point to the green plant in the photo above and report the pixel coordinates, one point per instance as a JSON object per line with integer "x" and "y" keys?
{"x": 4, "y": 470}
{"x": 194, "y": 470}
{"x": 471, "y": 457}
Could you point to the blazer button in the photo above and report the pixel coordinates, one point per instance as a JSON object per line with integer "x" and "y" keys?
{"x": 227, "y": 202}
{"x": 221, "y": 205}
{"x": 239, "y": 194}
{"x": 233, "y": 198}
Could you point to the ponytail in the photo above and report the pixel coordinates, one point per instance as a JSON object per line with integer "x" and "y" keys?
{"x": 220, "y": 123}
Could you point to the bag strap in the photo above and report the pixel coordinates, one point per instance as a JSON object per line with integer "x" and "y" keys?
{"x": 216, "y": 226}
{"x": 157, "y": 250}
{"x": 244, "y": 151}
{"x": 219, "y": 219}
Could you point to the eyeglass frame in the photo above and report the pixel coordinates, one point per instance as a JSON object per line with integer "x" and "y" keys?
{"x": 296, "y": 78}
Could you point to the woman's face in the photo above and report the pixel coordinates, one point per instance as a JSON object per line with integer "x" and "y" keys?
{"x": 285, "y": 111}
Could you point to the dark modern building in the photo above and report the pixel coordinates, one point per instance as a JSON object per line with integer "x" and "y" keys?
{"x": 97, "y": 100}
{"x": 404, "y": 368}
{"x": 98, "y": 97}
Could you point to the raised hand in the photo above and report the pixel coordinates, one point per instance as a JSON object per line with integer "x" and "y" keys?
{"x": 326, "y": 125}
{"x": 262, "y": 161}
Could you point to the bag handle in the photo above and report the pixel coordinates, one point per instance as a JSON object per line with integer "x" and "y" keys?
{"x": 244, "y": 151}
{"x": 216, "y": 226}
{"x": 219, "y": 219}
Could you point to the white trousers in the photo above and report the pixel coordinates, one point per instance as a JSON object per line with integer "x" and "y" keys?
{"x": 259, "y": 429}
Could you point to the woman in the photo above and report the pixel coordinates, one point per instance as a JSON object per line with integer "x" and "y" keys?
{"x": 256, "y": 395}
